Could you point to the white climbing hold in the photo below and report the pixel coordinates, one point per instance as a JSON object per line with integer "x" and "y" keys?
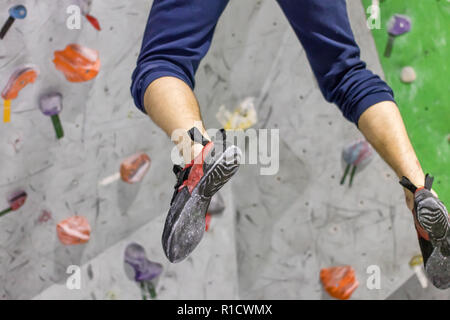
{"x": 408, "y": 75}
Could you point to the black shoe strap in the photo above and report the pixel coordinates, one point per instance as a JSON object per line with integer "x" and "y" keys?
{"x": 196, "y": 136}
{"x": 405, "y": 182}
{"x": 182, "y": 175}
{"x": 428, "y": 181}
{"x": 177, "y": 169}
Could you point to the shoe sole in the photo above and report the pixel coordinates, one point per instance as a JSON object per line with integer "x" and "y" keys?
{"x": 435, "y": 222}
{"x": 438, "y": 268}
{"x": 188, "y": 226}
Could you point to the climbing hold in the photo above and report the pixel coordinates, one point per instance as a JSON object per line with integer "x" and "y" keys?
{"x": 145, "y": 270}
{"x": 50, "y": 105}
{"x": 111, "y": 295}
{"x": 85, "y": 6}
{"x": 340, "y": 282}
{"x": 134, "y": 168}
{"x": 357, "y": 155}
{"x": 416, "y": 263}
{"x": 18, "y": 80}
{"x": 94, "y": 22}
{"x": 16, "y": 12}
{"x": 243, "y": 117}
{"x": 74, "y": 230}
{"x": 397, "y": 26}
{"x": 408, "y": 75}
{"x": 78, "y": 63}
{"x": 15, "y": 201}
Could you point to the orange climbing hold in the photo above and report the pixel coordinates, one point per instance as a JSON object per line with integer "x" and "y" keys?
{"x": 339, "y": 282}
{"x": 134, "y": 168}
{"x": 78, "y": 63}
{"x": 18, "y": 80}
{"x": 74, "y": 230}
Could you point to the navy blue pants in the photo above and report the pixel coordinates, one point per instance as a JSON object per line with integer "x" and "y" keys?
{"x": 179, "y": 33}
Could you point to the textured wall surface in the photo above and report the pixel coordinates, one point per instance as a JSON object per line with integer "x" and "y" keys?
{"x": 101, "y": 128}
{"x": 277, "y": 231}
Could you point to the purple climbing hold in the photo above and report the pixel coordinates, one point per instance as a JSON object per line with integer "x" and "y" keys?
{"x": 50, "y": 104}
{"x": 145, "y": 270}
{"x": 399, "y": 24}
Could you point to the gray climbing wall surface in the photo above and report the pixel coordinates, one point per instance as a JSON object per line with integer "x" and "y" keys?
{"x": 277, "y": 231}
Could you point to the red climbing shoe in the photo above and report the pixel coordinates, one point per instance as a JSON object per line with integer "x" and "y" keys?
{"x": 196, "y": 183}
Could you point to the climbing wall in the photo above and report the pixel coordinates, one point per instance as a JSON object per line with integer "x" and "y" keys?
{"x": 277, "y": 231}
{"x": 101, "y": 126}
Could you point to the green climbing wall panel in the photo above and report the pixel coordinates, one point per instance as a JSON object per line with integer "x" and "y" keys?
{"x": 424, "y": 104}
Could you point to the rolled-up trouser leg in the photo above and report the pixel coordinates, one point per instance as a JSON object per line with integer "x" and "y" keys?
{"x": 177, "y": 37}
{"x": 324, "y": 30}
